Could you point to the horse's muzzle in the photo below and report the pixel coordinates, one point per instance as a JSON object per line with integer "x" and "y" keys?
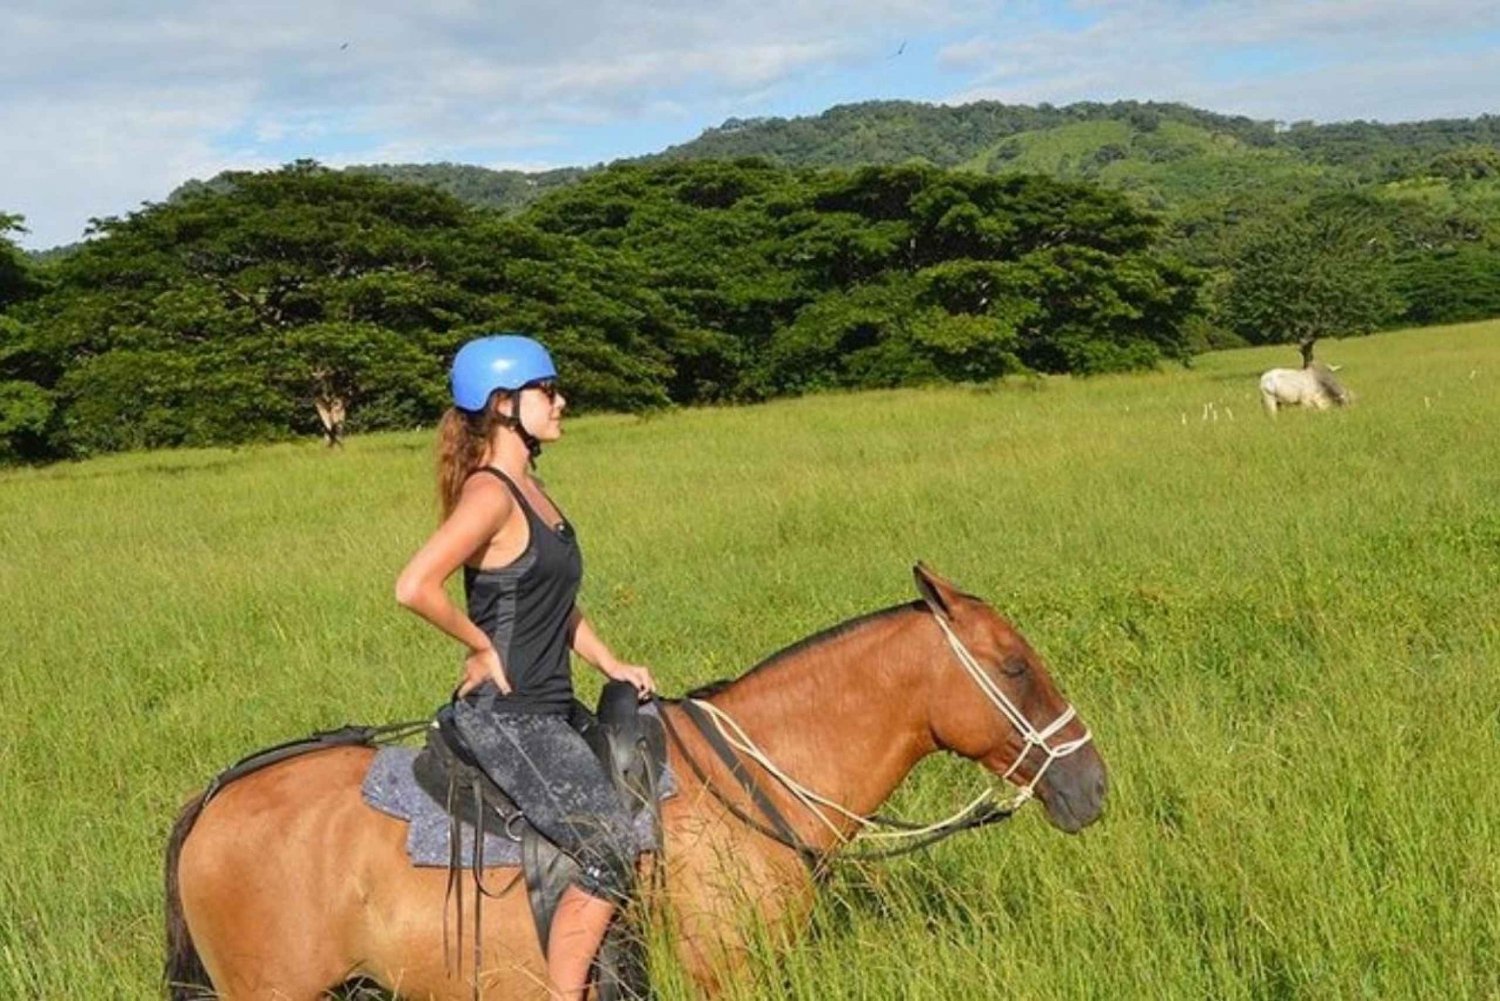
{"x": 1073, "y": 790}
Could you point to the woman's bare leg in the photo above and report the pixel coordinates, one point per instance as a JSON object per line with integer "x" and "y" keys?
{"x": 577, "y": 929}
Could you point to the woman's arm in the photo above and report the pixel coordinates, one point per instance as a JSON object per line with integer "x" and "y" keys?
{"x": 588, "y": 645}
{"x": 483, "y": 507}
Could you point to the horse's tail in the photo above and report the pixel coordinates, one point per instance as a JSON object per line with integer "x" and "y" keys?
{"x": 184, "y": 975}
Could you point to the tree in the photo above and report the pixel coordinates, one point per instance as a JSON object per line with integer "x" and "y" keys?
{"x": 338, "y": 367}
{"x": 26, "y": 409}
{"x": 303, "y": 301}
{"x": 25, "y": 413}
{"x": 1467, "y": 163}
{"x": 1031, "y": 272}
{"x": 307, "y": 301}
{"x": 16, "y": 279}
{"x": 797, "y": 280}
{"x": 1299, "y": 277}
{"x": 1451, "y": 286}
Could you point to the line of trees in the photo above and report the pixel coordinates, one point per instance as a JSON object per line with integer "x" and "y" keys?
{"x": 305, "y": 301}
{"x": 245, "y": 310}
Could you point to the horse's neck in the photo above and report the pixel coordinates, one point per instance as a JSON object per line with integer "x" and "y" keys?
{"x": 846, "y": 718}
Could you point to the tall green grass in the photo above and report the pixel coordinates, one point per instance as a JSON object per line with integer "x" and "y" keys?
{"x": 1284, "y": 635}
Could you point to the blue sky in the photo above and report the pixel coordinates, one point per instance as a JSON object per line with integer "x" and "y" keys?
{"x": 106, "y": 105}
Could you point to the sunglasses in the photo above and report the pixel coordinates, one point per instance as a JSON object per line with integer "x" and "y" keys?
{"x": 549, "y": 388}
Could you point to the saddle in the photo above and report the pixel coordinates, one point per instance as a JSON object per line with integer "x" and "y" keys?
{"x": 630, "y": 745}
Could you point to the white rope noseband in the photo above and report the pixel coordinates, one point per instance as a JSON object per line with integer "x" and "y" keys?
{"x": 1032, "y": 736}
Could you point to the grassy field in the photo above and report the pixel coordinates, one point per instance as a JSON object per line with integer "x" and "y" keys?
{"x": 1286, "y": 636}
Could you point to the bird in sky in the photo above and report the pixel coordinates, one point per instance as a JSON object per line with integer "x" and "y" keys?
{"x": 899, "y": 50}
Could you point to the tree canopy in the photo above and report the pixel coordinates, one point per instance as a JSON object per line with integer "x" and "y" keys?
{"x": 252, "y": 308}
{"x": 887, "y": 275}
{"x": 1207, "y": 174}
{"x": 226, "y": 316}
{"x": 1305, "y": 275}
{"x": 26, "y": 408}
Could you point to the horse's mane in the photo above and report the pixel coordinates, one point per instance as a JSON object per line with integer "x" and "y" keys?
{"x": 831, "y": 633}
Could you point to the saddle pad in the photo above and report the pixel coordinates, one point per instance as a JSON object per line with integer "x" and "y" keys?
{"x": 391, "y": 787}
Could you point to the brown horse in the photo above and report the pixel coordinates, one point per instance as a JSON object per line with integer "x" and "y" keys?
{"x": 285, "y": 884}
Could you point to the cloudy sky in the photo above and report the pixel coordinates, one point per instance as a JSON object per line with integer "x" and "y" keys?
{"x": 106, "y": 105}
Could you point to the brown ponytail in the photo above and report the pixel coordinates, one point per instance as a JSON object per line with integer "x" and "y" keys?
{"x": 463, "y": 436}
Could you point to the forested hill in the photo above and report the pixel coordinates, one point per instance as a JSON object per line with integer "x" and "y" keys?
{"x": 1174, "y": 157}
{"x": 987, "y": 135}
{"x": 1435, "y": 185}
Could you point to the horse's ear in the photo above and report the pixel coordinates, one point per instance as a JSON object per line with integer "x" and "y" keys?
{"x": 940, "y": 595}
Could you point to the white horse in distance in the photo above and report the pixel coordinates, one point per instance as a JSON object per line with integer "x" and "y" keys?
{"x": 1314, "y": 386}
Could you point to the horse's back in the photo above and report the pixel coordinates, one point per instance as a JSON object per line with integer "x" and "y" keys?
{"x": 1287, "y": 383}
{"x": 291, "y": 885}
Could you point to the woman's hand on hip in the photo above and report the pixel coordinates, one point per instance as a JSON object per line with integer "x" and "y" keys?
{"x": 481, "y": 666}
{"x": 637, "y": 675}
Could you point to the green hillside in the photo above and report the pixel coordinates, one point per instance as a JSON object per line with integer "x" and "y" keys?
{"x": 1176, "y": 159}
{"x": 1172, "y": 166}
{"x": 1207, "y": 173}
{"x": 894, "y": 131}
{"x": 1195, "y": 166}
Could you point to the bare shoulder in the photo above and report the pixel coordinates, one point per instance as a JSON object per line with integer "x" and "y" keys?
{"x": 486, "y": 493}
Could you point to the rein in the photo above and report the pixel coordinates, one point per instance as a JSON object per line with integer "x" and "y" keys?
{"x": 711, "y": 722}
{"x": 783, "y": 833}
{"x": 349, "y": 735}
{"x": 981, "y": 812}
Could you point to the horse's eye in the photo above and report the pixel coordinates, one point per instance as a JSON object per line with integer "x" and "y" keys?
{"x": 1014, "y": 667}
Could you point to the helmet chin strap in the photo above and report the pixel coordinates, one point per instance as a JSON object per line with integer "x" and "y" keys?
{"x": 513, "y": 421}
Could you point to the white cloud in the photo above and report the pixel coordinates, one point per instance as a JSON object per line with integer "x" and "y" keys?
{"x": 69, "y": 160}
{"x": 107, "y": 104}
{"x": 967, "y": 54}
{"x": 1284, "y": 59}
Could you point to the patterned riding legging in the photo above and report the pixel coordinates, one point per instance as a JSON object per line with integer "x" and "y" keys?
{"x": 547, "y": 768}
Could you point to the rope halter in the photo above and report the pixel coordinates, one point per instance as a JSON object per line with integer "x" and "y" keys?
{"x": 981, "y": 810}
{"x": 1032, "y": 736}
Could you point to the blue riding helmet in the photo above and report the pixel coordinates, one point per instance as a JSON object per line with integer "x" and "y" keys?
{"x": 499, "y": 361}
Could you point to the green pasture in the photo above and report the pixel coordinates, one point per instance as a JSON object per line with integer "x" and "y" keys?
{"x": 1286, "y": 636}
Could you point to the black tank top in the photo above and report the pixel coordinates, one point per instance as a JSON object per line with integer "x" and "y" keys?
{"x": 526, "y": 608}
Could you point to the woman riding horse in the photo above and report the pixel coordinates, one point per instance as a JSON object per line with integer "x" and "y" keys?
{"x": 522, "y": 569}
{"x": 284, "y": 884}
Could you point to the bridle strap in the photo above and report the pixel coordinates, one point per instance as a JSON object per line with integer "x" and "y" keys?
{"x": 1031, "y": 736}
{"x": 781, "y": 831}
